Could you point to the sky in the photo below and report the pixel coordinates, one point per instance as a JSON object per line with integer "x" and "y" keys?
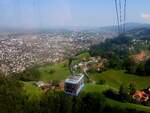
{"x": 67, "y": 13}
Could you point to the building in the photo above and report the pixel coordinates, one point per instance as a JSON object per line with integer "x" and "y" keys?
{"x": 140, "y": 96}
{"x": 74, "y": 84}
{"x": 39, "y": 83}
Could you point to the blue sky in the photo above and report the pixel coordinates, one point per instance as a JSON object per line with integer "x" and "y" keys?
{"x": 59, "y": 13}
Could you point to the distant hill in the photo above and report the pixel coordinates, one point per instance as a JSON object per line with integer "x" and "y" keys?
{"x": 129, "y": 26}
{"x": 140, "y": 33}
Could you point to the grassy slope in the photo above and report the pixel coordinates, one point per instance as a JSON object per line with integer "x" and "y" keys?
{"x": 32, "y": 91}
{"x": 113, "y": 80}
{"x": 95, "y": 88}
{"x": 116, "y": 78}
{"x": 113, "y": 103}
{"x": 60, "y": 72}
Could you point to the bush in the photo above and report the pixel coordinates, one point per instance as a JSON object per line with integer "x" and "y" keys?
{"x": 55, "y": 82}
{"x": 111, "y": 94}
{"x": 123, "y": 93}
{"x": 52, "y": 71}
{"x": 30, "y": 74}
{"x": 101, "y": 82}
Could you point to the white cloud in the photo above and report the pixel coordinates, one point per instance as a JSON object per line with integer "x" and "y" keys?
{"x": 145, "y": 16}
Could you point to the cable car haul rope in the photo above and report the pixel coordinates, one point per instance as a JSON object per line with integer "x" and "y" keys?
{"x": 120, "y": 6}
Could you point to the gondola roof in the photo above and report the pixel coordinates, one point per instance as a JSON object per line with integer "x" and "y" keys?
{"x": 74, "y": 79}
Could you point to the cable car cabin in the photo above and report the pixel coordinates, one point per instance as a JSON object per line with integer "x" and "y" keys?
{"x": 74, "y": 84}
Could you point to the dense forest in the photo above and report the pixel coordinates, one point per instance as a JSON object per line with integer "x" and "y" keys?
{"x": 120, "y": 53}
